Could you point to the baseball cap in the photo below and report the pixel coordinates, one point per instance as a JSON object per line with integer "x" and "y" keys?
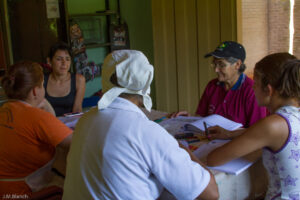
{"x": 229, "y": 49}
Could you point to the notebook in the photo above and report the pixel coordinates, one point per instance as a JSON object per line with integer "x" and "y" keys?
{"x": 175, "y": 125}
{"x": 212, "y": 120}
{"x": 235, "y": 167}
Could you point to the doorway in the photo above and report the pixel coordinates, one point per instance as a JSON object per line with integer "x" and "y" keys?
{"x": 33, "y": 30}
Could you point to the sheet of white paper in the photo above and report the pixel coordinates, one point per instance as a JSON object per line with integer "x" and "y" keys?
{"x": 205, "y": 149}
{"x": 213, "y": 120}
{"x": 52, "y": 8}
{"x": 70, "y": 121}
{"x": 233, "y": 167}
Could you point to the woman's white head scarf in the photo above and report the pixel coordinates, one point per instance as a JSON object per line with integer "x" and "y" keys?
{"x": 134, "y": 73}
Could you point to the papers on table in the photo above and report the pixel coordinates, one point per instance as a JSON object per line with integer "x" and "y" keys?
{"x": 70, "y": 121}
{"x": 205, "y": 149}
{"x": 212, "y": 120}
{"x": 175, "y": 125}
{"x": 233, "y": 167}
{"x": 183, "y": 124}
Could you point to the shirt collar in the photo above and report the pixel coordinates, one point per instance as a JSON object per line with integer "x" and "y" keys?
{"x": 124, "y": 104}
{"x": 240, "y": 81}
{"x": 237, "y": 85}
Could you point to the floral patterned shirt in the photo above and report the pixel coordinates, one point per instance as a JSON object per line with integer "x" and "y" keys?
{"x": 283, "y": 166}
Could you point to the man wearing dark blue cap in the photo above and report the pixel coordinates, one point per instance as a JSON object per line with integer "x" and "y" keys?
{"x": 230, "y": 94}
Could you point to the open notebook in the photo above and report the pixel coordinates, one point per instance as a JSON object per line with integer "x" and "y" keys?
{"x": 212, "y": 120}
{"x": 236, "y": 166}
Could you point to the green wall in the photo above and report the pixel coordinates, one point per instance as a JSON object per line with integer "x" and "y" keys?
{"x": 84, "y": 7}
{"x": 138, "y": 16}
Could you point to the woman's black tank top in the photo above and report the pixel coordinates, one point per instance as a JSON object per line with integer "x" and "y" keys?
{"x": 62, "y": 105}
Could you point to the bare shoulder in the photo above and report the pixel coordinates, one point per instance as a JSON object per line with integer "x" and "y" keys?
{"x": 273, "y": 124}
{"x": 272, "y": 129}
{"x": 80, "y": 81}
{"x": 80, "y": 78}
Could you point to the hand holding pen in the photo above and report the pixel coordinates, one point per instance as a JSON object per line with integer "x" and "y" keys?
{"x": 206, "y": 130}
{"x": 216, "y": 132}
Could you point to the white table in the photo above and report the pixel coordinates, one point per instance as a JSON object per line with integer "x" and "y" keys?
{"x": 250, "y": 184}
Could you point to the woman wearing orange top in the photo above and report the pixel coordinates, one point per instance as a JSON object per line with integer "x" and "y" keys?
{"x": 29, "y": 135}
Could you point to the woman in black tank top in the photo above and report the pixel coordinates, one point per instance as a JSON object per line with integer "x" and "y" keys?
{"x": 63, "y": 90}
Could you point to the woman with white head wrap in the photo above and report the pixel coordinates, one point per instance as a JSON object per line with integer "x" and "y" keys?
{"x": 118, "y": 153}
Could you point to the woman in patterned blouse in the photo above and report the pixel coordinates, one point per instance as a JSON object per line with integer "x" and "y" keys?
{"x": 276, "y": 86}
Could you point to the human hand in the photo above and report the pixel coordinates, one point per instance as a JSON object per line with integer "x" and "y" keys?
{"x": 45, "y": 105}
{"x": 180, "y": 113}
{"x": 217, "y": 132}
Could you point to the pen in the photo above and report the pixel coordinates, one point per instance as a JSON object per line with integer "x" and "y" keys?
{"x": 184, "y": 135}
{"x": 205, "y": 128}
{"x": 160, "y": 119}
{"x": 192, "y": 141}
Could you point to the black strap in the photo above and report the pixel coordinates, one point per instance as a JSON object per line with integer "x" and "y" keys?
{"x": 58, "y": 173}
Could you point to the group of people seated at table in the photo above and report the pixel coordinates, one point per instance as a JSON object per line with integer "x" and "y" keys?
{"x": 118, "y": 153}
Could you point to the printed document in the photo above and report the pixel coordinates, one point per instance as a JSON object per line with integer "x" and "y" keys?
{"x": 212, "y": 120}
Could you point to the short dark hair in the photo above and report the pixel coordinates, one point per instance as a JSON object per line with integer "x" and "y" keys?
{"x": 59, "y": 46}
